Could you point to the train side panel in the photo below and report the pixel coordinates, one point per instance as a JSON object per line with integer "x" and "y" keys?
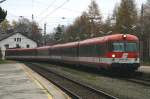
{"x": 117, "y": 51}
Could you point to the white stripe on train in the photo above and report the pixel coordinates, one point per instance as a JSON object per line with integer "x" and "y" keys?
{"x": 83, "y": 59}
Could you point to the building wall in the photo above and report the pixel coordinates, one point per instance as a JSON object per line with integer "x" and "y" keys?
{"x": 17, "y": 40}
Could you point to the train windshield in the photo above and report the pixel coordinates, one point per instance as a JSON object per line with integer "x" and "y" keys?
{"x": 125, "y": 47}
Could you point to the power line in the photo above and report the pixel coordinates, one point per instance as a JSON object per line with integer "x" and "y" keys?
{"x": 32, "y": 6}
{"x": 17, "y": 16}
{"x": 48, "y": 7}
{"x": 11, "y": 14}
{"x": 55, "y": 9}
{"x": 72, "y": 10}
{"x": 61, "y": 21}
{"x": 32, "y": 10}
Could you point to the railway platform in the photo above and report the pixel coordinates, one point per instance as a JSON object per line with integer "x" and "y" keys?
{"x": 145, "y": 69}
{"x": 17, "y": 81}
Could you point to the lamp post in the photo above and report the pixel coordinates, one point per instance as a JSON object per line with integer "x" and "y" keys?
{"x": 39, "y": 40}
{"x": 44, "y": 33}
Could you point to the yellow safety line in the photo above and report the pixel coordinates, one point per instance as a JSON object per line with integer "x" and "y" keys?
{"x": 38, "y": 83}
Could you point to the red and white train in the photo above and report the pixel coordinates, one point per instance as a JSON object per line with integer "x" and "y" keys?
{"x": 118, "y": 52}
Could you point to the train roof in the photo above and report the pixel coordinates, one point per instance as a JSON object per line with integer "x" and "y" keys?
{"x": 114, "y": 37}
{"x": 20, "y": 49}
{"x": 71, "y": 44}
{"x": 120, "y": 37}
{"x": 43, "y": 47}
{"x": 97, "y": 40}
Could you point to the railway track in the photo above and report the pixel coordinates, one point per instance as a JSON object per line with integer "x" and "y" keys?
{"x": 75, "y": 89}
{"x": 140, "y": 81}
{"x": 139, "y": 78}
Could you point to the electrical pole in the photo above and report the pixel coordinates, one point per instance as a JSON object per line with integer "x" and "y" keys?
{"x": 45, "y": 34}
{"x": 32, "y": 24}
{"x": 142, "y": 14}
{"x": 141, "y": 34}
{"x": 32, "y": 17}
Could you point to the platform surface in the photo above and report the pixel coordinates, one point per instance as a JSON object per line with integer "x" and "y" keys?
{"x": 145, "y": 69}
{"x": 15, "y": 84}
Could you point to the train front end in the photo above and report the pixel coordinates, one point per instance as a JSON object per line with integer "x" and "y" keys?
{"x": 124, "y": 53}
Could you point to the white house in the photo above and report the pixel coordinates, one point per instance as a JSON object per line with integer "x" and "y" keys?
{"x": 16, "y": 40}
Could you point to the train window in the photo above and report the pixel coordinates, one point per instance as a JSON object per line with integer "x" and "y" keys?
{"x": 72, "y": 51}
{"x": 66, "y": 52}
{"x": 131, "y": 47}
{"x": 43, "y": 52}
{"x": 118, "y": 47}
{"x": 32, "y": 52}
{"x": 82, "y": 51}
{"x": 101, "y": 49}
{"x": 87, "y": 50}
{"x": 110, "y": 46}
{"x": 125, "y": 46}
{"x": 93, "y": 50}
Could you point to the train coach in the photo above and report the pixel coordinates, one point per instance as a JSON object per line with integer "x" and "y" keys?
{"x": 117, "y": 52}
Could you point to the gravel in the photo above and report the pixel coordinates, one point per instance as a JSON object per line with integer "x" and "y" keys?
{"x": 115, "y": 86}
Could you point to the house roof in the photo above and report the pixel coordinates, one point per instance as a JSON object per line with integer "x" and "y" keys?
{"x": 6, "y": 35}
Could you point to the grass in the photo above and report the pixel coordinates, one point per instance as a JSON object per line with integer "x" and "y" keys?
{"x": 5, "y": 61}
{"x": 146, "y": 62}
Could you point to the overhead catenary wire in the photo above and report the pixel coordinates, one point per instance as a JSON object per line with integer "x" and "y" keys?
{"x": 32, "y": 10}
{"x": 52, "y": 5}
{"x": 60, "y": 22}
{"x": 48, "y": 7}
{"x": 12, "y": 15}
{"x": 54, "y": 10}
{"x": 72, "y": 10}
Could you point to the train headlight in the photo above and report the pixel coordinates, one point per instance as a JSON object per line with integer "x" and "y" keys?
{"x": 124, "y": 36}
{"x": 113, "y": 55}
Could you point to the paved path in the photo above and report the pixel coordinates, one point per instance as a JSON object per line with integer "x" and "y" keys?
{"x": 145, "y": 69}
{"x": 18, "y": 82}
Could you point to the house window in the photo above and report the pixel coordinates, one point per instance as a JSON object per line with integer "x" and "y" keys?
{"x": 28, "y": 46}
{"x": 18, "y": 39}
{"x": 18, "y": 46}
{"x": 6, "y": 46}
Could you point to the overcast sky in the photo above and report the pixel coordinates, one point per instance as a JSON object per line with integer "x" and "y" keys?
{"x": 52, "y": 11}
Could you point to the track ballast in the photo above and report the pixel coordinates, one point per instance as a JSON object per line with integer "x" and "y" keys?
{"x": 75, "y": 89}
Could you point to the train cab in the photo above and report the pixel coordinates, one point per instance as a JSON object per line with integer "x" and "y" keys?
{"x": 124, "y": 52}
